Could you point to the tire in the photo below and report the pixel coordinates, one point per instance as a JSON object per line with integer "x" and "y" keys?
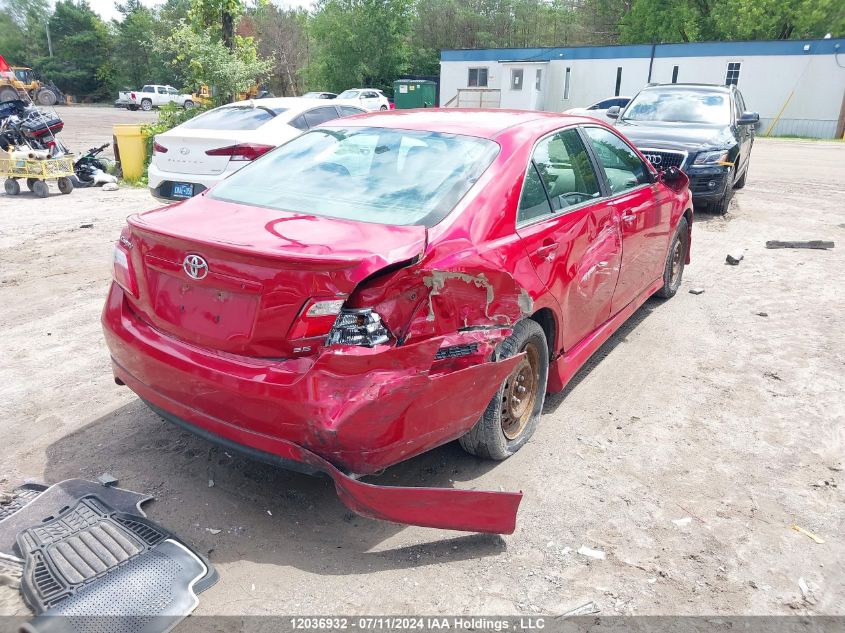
{"x": 146, "y": 105}
{"x": 383, "y": 107}
{"x": 721, "y": 207}
{"x": 12, "y": 187}
{"x": 132, "y": 108}
{"x": 8, "y": 94}
{"x": 46, "y": 97}
{"x": 739, "y": 184}
{"x": 673, "y": 269}
{"x": 40, "y": 189}
{"x": 505, "y": 427}
{"x": 65, "y": 185}
{"x": 30, "y": 182}
{"x": 188, "y": 104}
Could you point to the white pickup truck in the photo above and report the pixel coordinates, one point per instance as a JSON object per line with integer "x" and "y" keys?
{"x": 152, "y": 96}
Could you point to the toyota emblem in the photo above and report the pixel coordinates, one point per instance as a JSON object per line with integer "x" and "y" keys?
{"x": 195, "y": 266}
{"x": 654, "y": 159}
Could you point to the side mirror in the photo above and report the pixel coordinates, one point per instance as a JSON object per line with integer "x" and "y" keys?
{"x": 673, "y": 178}
{"x": 748, "y": 118}
{"x": 613, "y": 112}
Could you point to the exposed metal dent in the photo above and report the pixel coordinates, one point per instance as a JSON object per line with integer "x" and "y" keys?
{"x": 436, "y": 283}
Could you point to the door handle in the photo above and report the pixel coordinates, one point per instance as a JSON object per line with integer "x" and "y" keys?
{"x": 628, "y": 215}
{"x": 547, "y": 250}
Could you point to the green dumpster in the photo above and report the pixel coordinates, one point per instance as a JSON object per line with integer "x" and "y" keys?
{"x": 414, "y": 93}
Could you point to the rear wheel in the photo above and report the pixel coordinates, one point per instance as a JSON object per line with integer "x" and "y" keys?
{"x": 384, "y": 107}
{"x": 188, "y": 104}
{"x": 11, "y": 187}
{"x": 146, "y": 105}
{"x": 514, "y": 411}
{"x": 65, "y": 185}
{"x": 30, "y": 182}
{"x": 673, "y": 270}
{"x": 40, "y": 189}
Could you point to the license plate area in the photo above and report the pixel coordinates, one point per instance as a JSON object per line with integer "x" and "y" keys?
{"x": 203, "y": 313}
{"x": 182, "y": 190}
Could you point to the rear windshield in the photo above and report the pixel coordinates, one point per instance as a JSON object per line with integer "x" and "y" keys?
{"x": 378, "y": 175}
{"x": 349, "y": 94}
{"x": 243, "y": 117}
{"x": 680, "y": 106}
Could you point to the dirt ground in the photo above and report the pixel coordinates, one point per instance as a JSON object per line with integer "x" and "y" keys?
{"x": 703, "y": 430}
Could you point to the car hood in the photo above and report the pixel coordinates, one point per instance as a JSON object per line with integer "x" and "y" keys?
{"x": 682, "y": 136}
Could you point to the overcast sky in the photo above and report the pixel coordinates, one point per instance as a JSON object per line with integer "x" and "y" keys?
{"x": 108, "y": 11}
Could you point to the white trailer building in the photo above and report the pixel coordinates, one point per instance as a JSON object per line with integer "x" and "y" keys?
{"x": 797, "y": 86}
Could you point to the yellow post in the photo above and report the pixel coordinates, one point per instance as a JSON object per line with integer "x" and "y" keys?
{"x": 132, "y": 147}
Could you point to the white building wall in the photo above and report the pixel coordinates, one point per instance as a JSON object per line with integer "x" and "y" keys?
{"x": 808, "y": 89}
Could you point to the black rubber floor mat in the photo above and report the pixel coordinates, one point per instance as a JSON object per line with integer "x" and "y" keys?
{"x": 21, "y": 496}
{"x": 84, "y": 544}
{"x": 56, "y": 499}
{"x": 151, "y": 593}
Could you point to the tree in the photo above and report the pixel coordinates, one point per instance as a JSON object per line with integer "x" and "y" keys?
{"x": 696, "y": 20}
{"x": 359, "y": 43}
{"x": 23, "y": 29}
{"x": 282, "y": 35}
{"x": 204, "y": 59}
{"x": 83, "y": 62}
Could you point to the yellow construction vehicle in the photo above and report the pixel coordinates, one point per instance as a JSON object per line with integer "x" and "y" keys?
{"x": 24, "y": 85}
{"x": 205, "y": 95}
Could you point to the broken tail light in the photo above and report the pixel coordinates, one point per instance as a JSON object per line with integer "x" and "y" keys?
{"x": 242, "y": 151}
{"x": 316, "y": 318}
{"x": 124, "y": 275}
{"x": 358, "y": 326}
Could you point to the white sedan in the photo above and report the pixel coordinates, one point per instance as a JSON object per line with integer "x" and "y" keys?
{"x": 368, "y": 98}
{"x": 201, "y": 152}
{"x": 599, "y": 109}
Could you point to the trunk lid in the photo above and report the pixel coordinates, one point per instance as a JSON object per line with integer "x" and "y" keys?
{"x": 262, "y": 267}
{"x": 186, "y": 150}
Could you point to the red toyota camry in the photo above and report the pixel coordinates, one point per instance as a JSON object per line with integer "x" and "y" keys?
{"x": 390, "y": 282}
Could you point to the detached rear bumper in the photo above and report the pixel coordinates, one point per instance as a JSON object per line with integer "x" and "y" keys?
{"x": 444, "y": 508}
{"x": 355, "y": 409}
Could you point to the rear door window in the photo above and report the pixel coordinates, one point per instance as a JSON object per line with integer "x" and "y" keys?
{"x": 320, "y": 115}
{"x": 230, "y": 118}
{"x": 350, "y": 110}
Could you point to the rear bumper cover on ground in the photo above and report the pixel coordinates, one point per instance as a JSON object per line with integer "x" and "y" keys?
{"x": 357, "y": 410}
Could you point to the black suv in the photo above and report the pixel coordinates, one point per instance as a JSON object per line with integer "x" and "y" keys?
{"x": 702, "y": 129}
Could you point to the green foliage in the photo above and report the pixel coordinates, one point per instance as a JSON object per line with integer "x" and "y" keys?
{"x": 82, "y": 51}
{"x": 359, "y": 43}
{"x": 693, "y": 20}
{"x": 202, "y": 59}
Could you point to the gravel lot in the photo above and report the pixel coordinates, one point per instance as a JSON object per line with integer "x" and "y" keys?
{"x": 726, "y": 408}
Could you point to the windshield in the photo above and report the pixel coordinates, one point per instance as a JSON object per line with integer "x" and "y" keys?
{"x": 242, "y": 117}
{"x": 349, "y": 94}
{"x": 379, "y": 175}
{"x": 680, "y": 106}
